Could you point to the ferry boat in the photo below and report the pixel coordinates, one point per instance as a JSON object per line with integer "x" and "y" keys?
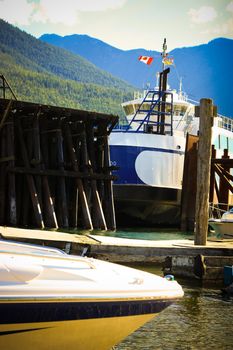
{"x": 149, "y": 152}
{"x": 51, "y": 300}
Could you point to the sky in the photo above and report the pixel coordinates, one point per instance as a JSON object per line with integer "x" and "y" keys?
{"x": 125, "y": 24}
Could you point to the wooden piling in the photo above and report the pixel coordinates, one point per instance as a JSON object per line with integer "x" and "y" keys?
{"x": 62, "y": 197}
{"x": 82, "y": 195}
{"x": 189, "y": 184}
{"x": 212, "y": 176}
{"x": 12, "y": 210}
{"x": 29, "y": 178}
{"x": 50, "y": 171}
{"x": 223, "y": 186}
{"x": 206, "y": 114}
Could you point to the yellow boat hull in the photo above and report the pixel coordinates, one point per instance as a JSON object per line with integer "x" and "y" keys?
{"x": 91, "y": 334}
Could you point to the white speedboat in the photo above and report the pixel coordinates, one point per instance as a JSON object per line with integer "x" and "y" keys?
{"x": 51, "y": 300}
{"x": 149, "y": 151}
{"x": 223, "y": 227}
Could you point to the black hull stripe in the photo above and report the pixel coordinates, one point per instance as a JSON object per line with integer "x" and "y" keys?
{"x": 63, "y": 311}
{"x": 22, "y": 331}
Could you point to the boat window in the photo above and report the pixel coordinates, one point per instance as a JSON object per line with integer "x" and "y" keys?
{"x": 180, "y": 110}
{"x": 136, "y": 106}
{"x": 145, "y": 106}
{"x": 128, "y": 109}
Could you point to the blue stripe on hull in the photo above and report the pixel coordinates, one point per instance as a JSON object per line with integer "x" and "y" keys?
{"x": 13, "y": 313}
{"x": 124, "y": 157}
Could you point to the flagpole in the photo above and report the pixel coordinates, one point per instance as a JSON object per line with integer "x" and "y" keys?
{"x": 164, "y": 53}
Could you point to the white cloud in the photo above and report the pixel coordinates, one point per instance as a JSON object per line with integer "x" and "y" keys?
{"x": 18, "y": 12}
{"x": 225, "y": 28}
{"x": 203, "y": 14}
{"x": 230, "y": 7}
{"x": 66, "y": 12}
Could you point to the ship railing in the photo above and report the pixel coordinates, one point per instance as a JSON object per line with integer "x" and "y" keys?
{"x": 225, "y": 122}
{"x": 222, "y": 121}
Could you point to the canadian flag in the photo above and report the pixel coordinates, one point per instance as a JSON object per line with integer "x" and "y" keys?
{"x": 145, "y": 59}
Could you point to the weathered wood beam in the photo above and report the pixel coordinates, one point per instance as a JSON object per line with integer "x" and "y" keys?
{"x": 12, "y": 209}
{"x": 108, "y": 187}
{"x": 82, "y": 195}
{"x": 212, "y": 176}
{"x": 224, "y": 178}
{"x": 62, "y": 173}
{"x": 62, "y": 198}
{"x": 5, "y": 114}
{"x": 2, "y": 176}
{"x": 203, "y": 171}
{"x": 97, "y": 210}
{"x": 30, "y": 180}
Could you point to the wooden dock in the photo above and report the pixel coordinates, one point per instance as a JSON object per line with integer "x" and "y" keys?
{"x": 55, "y": 167}
{"x": 179, "y": 257}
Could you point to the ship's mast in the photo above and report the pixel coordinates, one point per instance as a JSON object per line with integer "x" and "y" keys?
{"x": 164, "y": 53}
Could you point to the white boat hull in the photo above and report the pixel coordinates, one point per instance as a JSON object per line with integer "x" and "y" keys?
{"x": 51, "y": 300}
{"x": 222, "y": 228}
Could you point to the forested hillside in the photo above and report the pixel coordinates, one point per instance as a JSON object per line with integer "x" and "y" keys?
{"x": 43, "y": 73}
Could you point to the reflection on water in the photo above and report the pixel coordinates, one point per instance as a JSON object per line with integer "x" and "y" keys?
{"x": 202, "y": 320}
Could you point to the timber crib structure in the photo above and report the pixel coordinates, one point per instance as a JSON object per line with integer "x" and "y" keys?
{"x": 55, "y": 167}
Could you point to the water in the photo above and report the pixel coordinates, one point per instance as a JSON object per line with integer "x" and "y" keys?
{"x": 202, "y": 320}
{"x": 147, "y": 234}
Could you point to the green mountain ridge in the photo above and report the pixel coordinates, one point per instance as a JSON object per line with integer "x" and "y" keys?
{"x": 42, "y": 73}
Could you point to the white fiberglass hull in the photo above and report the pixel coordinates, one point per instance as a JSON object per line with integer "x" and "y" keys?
{"x": 222, "y": 228}
{"x": 50, "y": 300}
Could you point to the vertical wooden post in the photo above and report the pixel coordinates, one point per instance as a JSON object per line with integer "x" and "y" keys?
{"x": 36, "y": 154}
{"x": 30, "y": 180}
{"x": 203, "y": 170}
{"x": 73, "y": 188}
{"x": 108, "y": 184}
{"x": 189, "y": 184}
{"x": 4, "y": 137}
{"x": 61, "y": 181}
{"x": 48, "y": 207}
{"x": 97, "y": 210}
{"x": 11, "y": 176}
{"x": 83, "y": 199}
{"x": 223, "y": 188}
{"x": 212, "y": 176}
{"x": 2, "y": 175}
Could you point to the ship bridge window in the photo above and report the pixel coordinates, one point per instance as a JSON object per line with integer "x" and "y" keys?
{"x": 145, "y": 106}
{"x": 128, "y": 109}
{"x": 180, "y": 110}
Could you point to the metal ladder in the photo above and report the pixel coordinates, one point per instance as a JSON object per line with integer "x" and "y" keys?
{"x": 158, "y": 107}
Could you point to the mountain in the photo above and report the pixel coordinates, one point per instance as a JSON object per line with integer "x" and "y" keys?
{"x": 44, "y": 73}
{"x": 123, "y": 64}
{"x": 206, "y": 69}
